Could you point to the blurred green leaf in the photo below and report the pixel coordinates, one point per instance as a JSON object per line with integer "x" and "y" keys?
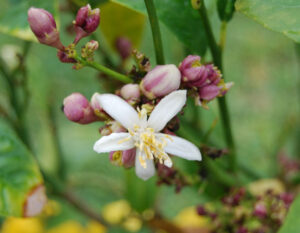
{"x": 278, "y": 15}
{"x": 291, "y": 223}
{"x": 19, "y": 173}
{"x": 180, "y": 18}
{"x": 226, "y": 9}
{"x": 13, "y": 16}
{"x": 117, "y": 20}
{"x": 140, "y": 194}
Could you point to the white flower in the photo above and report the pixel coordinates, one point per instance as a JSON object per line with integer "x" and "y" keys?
{"x": 144, "y": 133}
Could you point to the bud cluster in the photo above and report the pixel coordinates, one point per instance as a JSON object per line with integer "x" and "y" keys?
{"x": 43, "y": 25}
{"x": 244, "y": 213}
{"x": 205, "y": 79}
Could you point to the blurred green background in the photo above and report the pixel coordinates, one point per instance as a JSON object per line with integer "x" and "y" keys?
{"x": 264, "y": 107}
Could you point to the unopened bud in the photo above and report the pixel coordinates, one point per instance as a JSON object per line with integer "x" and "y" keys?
{"x": 130, "y": 92}
{"x": 160, "y": 81}
{"x": 128, "y": 158}
{"x": 115, "y": 158}
{"x": 77, "y": 108}
{"x": 43, "y": 26}
{"x": 260, "y": 210}
{"x": 87, "y": 21}
{"x": 112, "y": 127}
{"x": 98, "y": 110}
{"x": 123, "y": 46}
{"x": 209, "y": 92}
{"x": 63, "y": 57}
{"x": 196, "y": 4}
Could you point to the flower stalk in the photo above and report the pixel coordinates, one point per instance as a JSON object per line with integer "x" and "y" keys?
{"x": 216, "y": 52}
{"x": 160, "y": 60}
{"x": 113, "y": 74}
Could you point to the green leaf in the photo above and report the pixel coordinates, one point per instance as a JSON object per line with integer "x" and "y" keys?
{"x": 13, "y": 16}
{"x": 130, "y": 24}
{"x": 19, "y": 174}
{"x": 291, "y": 223}
{"x": 278, "y": 15}
{"x": 226, "y": 9}
{"x": 180, "y": 18}
{"x": 139, "y": 193}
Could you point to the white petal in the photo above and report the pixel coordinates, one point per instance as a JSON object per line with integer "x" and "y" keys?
{"x": 181, "y": 148}
{"x": 114, "y": 142}
{"x": 141, "y": 172}
{"x": 166, "y": 109}
{"x": 119, "y": 110}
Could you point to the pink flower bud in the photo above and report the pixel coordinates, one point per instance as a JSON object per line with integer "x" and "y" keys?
{"x": 260, "y": 210}
{"x": 63, "y": 57}
{"x": 189, "y": 67}
{"x": 87, "y": 21}
{"x": 123, "y": 46}
{"x": 43, "y": 26}
{"x": 209, "y": 92}
{"x": 128, "y": 158}
{"x": 130, "y": 92}
{"x": 160, "y": 81}
{"x": 77, "y": 108}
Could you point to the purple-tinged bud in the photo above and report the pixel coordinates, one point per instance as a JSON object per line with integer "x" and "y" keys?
{"x": 287, "y": 198}
{"x": 160, "y": 81}
{"x": 128, "y": 158}
{"x": 63, "y": 57}
{"x": 130, "y": 92}
{"x": 209, "y": 92}
{"x": 77, "y": 108}
{"x": 123, "y": 46}
{"x": 98, "y": 110}
{"x": 43, "y": 26}
{"x": 87, "y": 21}
{"x": 201, "y": 210}
{"x": 190, "y": 68}
{"x": 260, "y": 210}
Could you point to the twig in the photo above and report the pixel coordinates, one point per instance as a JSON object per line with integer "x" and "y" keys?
{"x": 225, "y": 117}
{"x": 155, "y": 32}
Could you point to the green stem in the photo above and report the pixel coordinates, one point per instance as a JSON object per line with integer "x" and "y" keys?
{"x": 225, "y": 117}
{"x": 115, "y": 75}
{"x": 155, "y": 32}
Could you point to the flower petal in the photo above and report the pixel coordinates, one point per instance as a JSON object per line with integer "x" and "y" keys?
{"x": 181, "y": 147}
{"x": 166, "y": 109}
{"x": 141, "y": 172}
{"x": 114, "y": 142}
{"x": 119, "y": 110}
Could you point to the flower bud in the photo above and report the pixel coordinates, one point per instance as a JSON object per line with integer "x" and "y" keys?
{"x": 260, "y": 210}
{"x": 63, "y": 57}
{"x": 191, "y": 68}
{"x": 130, "y": 92}
{"x": 87, "y": 21}
{"x": 112, "y": 127}
{"x": 43, "y": 26}
{"x": 128, "y": 158}
{"x": 98, "y": 110}
{"x": 123, "y": 46}
{"x": 160, "y": 81}
{"x": 209, "y": 92}
{"x": 77, "y": 108}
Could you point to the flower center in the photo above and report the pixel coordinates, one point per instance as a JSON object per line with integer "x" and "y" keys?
{"x": 150, "y": 146}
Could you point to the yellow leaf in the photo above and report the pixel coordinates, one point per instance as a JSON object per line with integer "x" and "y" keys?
{"x": 117, "y": 20}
